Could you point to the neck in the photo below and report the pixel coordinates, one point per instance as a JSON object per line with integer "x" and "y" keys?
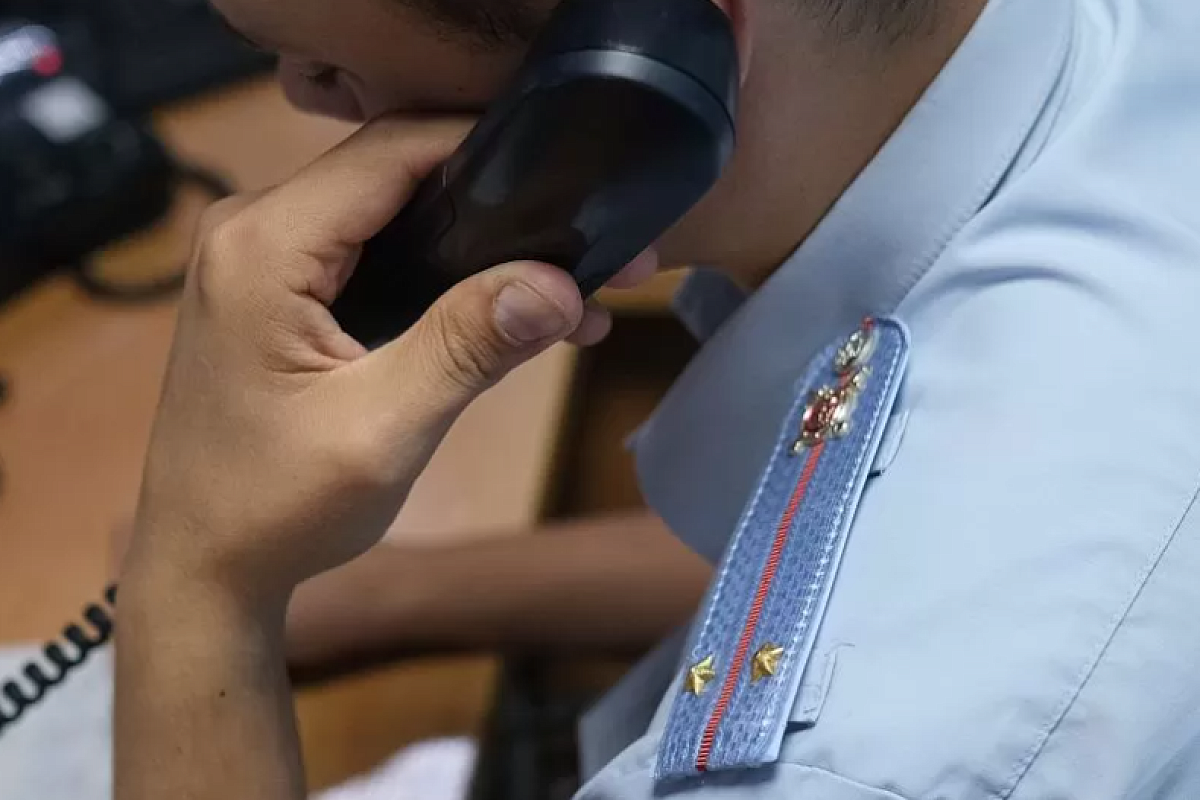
{"x": 844, "y": 100}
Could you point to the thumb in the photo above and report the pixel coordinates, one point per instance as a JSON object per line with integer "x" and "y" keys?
{"x": 472, "y": 337}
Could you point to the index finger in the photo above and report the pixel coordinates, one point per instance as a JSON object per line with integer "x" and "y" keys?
{"x": 351, "y": 192}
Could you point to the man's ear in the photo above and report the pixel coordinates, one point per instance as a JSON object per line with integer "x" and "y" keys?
{"x": 740, "y": 14}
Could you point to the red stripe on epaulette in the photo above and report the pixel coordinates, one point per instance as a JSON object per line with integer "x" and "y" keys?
{"x": 760, "y": 599}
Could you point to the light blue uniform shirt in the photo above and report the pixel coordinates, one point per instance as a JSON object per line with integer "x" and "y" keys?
{"x": 1017, "y": 614}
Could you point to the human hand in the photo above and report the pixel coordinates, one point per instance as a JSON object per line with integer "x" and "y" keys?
{"x": 282, "y": 448}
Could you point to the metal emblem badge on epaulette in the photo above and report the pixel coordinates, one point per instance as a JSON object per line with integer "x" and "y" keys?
{"x": 755, "y": 634}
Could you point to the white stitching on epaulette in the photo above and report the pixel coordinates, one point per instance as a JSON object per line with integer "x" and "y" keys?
{"x": 843, "y": 503}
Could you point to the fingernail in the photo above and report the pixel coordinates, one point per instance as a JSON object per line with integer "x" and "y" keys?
{"x": 526, "y": 316}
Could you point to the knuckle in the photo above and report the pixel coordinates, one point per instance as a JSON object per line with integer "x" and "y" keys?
{"x": 224, "y": 250}
{"x": 465, "y": 352}
{"x": 216, "y": 213}
{"x": 225, "y": 210}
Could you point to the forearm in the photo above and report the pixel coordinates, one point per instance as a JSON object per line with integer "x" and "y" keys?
{"x": 203, "y": 708}
{"x": 610, "y": 583}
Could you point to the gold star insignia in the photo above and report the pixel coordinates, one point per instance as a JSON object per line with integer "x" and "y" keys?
{"x": 700, "y": 676}
{"x": 766, "y": 662}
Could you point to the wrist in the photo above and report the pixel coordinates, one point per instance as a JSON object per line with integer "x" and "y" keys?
{"x": 178, "y": 559}
{"x": 162, "y": 592}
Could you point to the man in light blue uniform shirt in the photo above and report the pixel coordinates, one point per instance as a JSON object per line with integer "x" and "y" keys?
{"x": 944, "y": 459}
{"x": 1014, "y": 616}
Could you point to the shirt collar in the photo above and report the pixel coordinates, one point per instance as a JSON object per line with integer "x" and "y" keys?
{"x": 700, "y": 453}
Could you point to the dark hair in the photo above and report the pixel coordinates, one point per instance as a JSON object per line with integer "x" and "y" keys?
{"x": 492, "y": 22}
{"x": 488, "y": 22}
{"x": 892, "y": 20}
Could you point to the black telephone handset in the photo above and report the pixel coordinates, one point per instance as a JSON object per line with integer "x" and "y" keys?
{"x": 620, "y": 120}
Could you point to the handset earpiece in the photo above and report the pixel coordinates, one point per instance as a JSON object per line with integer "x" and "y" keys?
{"x": 620, "y": 120}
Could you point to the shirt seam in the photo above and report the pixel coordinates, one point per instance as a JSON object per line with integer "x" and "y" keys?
{"x": 1025, "y": 765}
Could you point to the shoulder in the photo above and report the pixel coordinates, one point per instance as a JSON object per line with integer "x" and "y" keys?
{"x": 1023, "y": 547}
{"x": 1015, "y": 596}
{"x": 1012, "y": 563}
{"x": 1023, "y": 550}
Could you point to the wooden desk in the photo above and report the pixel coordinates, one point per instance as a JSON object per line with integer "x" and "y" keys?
{"x": 84, "y": 385}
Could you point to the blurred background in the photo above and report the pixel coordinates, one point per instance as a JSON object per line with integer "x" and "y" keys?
{"x": 119, "y": 121}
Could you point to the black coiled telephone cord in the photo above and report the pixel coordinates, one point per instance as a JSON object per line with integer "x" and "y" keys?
{"x": 39, "y": 677}
{"x": 61, "y": 657}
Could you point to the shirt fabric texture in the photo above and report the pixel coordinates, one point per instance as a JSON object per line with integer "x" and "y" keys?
{"x": 1014, "y": 616}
